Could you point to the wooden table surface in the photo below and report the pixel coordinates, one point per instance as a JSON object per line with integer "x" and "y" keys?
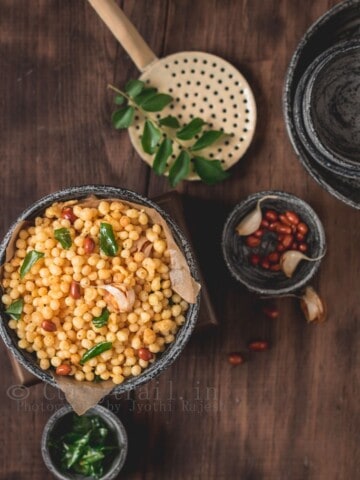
{"x": 291, "y": 413}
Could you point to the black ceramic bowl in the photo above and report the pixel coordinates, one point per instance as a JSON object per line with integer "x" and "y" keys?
{"x": 303, "y": 110}
{"x": 237, "y": 253}
{"x": 54, "y": 427}
{"x": 341, "y": 23}
{"x": 28, "y": 360}
{"x": 331, "y": 105}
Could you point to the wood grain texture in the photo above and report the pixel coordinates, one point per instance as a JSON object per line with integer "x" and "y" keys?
{"x": 288, "y": 414}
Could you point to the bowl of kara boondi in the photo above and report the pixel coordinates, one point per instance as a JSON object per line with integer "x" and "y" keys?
{"x": 98, "y": 284}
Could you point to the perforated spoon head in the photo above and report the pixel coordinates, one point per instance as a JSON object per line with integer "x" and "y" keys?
{"x": 206, "y": 86}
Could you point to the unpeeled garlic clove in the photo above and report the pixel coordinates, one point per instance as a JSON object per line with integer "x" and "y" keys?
{"x": 251, "y": 222}
{"x": 291, "y": 259}
{"x": 313, "y": 306}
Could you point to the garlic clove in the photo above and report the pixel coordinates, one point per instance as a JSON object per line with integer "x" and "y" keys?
{"x": 140, "y": 243}
{"x": 147, "y": 249}
{"x": 121, "y": 297}
{"x": 291, "y": 259}
{"x": 251, "y": 222}
{"x": 313, "y": 306}
{"x": 130, "y": 297}
{"x": 143, "y": 245}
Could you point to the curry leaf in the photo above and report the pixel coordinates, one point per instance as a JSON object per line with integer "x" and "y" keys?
{"x": 119, "y": 99}
{"x": 157, "y": 102}
{"x": 191, "y": 129}
{"x": 31, "y": 257}
{"x": 134, "y": 87}
{"x": 123, "y": 118}
{"x": 15, "y": 309}
{"x": 207, "y": 139}
{"x": 108, "y": 243}
{"x": 144, "y": 98}
{"x": 146, "y": 94}
{"x": 180, "y": 169}
{"x": 63, "y": 236}
{"x": 162, "y": 155}
{"x": 150, "y": 137}
{"x": 169, "y": 121}
{"x": 210, "y": 171}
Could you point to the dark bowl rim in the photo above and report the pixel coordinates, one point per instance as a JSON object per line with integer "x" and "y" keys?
{"x": 299, "y": 113}
{"x": 108, "y": 416}
{"x": 106, "y": 191}
{"x": 318, "y": 23}
{"x": 251, "y": 200}
{"x": 287, "y": 102}
{"x": 318, "y": 65}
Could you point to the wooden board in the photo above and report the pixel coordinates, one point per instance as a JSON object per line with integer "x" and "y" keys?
{"x": 289, "y": 414}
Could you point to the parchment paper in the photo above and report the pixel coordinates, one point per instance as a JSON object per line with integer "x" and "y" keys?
{"x": 84, "y": 395}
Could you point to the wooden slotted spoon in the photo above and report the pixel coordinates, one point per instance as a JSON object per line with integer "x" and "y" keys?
{"x": 203, "y": 85}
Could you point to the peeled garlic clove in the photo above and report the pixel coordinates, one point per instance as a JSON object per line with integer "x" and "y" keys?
{"x": 121, "y": 297}
{"x": 142, "y": 245}
{"x": 138, "y": 244}
{"x": 251, "y": 222}
{"x": 313, "y": 306}
{"x": 291, "y": 259}
{"x": 147, "y": 249}
{"x": 130, "y": 297}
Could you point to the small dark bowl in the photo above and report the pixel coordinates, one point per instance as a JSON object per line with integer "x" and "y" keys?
{"x": 56, "y": 421}
{"x": 236, "y": 252}
{"x": 331, "y": 105}
{"x": 27, "y": 359}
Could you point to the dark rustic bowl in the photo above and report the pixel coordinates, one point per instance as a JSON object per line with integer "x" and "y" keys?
{"x": 347, "y": 171}
{"x": 331, "y": 105}
{"x": 28, "y": 360}
{"x": 109, "y": 418}
{"x": 340, "y": 23}
{"x": 236, "y": 252}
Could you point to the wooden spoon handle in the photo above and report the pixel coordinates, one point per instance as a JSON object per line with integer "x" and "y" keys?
{"x": 125, "y": 32}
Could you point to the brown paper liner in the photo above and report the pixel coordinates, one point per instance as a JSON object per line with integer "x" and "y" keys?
{"x": 84, "y": 395}
{"x": 181, "y": 280}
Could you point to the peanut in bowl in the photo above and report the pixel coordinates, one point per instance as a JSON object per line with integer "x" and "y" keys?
{"x": 88, "y": 289}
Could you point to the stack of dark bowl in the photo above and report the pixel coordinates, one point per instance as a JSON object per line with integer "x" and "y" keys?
{"x": 322, "y": 101}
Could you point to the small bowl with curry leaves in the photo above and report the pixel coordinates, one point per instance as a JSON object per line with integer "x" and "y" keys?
{"x": 91, "y": 446}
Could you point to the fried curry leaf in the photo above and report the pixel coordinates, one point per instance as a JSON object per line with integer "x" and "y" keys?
{"x": 15, "y": 309}
{"x": 30, "y": 259}
{"x": 108, "y": 243}
{"x": 63, "y": 236}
